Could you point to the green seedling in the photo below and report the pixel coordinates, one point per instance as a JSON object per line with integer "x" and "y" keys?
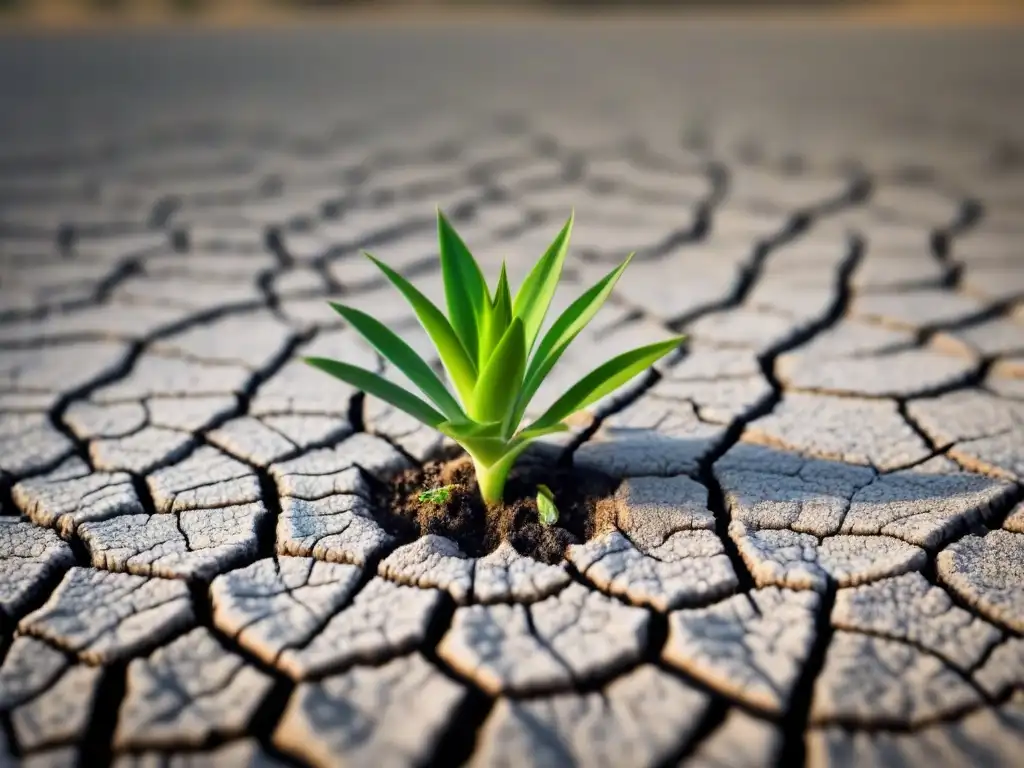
{"x": 547, "y": 512}
{"x": 437, "y": 495}
{"x": 495, "y": 358}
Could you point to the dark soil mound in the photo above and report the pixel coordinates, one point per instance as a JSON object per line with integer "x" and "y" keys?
{"x": 582, "y": 498}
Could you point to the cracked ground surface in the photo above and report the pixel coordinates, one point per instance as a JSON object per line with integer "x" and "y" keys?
{"x": 817, "y": 549}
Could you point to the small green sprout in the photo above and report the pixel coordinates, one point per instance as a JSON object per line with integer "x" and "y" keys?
{"x": 546, "y": 509}
{"x": 437, "y": 495}
{"x": 492, "y": 351}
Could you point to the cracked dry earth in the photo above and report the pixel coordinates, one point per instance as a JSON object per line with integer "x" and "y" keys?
{"x": 818, "y": 555}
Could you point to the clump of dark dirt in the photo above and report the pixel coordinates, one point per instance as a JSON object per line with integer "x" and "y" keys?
{"x": 582, "y": 497}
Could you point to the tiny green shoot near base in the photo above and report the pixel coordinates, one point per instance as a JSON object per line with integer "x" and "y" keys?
{"x": 436, "y": 495}
{"x": 495, "y": 358}
{"x": 547, "y": 512}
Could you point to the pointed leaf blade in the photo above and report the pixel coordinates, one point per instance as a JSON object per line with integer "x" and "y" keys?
{"x": 500, "y": 380}
{"x": 460, "y": 367}
{"x": 534, "y": 296}
{"x": 483, "y": 335}
{"x": 465, "y": 290}
{"x": 532, "y": 433}
{"x": 503, "y": 294}
{"x": 604, "y": 379}
{"x": 497, "y": 318}
{"x": 404, "y": 358}
{"x": 566, "y": 328}
{"x": 379, "y": 387}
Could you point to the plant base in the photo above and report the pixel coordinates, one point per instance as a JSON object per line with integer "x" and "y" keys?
{"x": 583, "y": 502}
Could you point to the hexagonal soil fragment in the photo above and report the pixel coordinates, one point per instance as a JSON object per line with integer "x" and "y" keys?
{"x": 556, "y": 643}
{"x": 103, "y": 616}
{"x": 751, "y": 646}
{"x": 393, "y": 714}
{"x": 988, "y": 572}
{"x": 639, "y": 719}
{"x": 687, "y": 568}
{"x": 29, "y": 557}
{"x": 990, "y": 737}
{"x": 188, "y": 692}
{"x": 868, "y": 680}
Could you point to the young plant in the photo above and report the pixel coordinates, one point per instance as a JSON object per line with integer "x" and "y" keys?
{"x": 436, "y": 495}
{"x": 547, "y": 512}
{"x": 490, "y": 348}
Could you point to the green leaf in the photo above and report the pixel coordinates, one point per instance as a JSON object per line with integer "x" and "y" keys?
{"x": 503, "y": 296}
{"x": 470, "y": 430}
{"x": 482, "y": 441}
{"x": 460, "y": 367}
{"x": 500, "y": 380}
{"x": 547, "y": 512}
{"x": 436, "y": 495}
{"x": 404, "y": 358}
{"x": 493, "y": 458}
{"x": 497, "y": 318}
{"x": 379, "y": 387}
{"x": 487, "y": 442}
{"x": 534, "y": 296}
{"x": 566, "y": 328}
{"x": 487, "y": 450}
{"x": 465, "y": 290}
{"x": 604, "y": 379}
{"x": 532, "y": 433}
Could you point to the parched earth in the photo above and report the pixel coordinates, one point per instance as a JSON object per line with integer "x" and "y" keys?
{"x": 818, "y": 555}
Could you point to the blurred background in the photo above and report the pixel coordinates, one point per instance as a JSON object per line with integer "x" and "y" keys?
{"x": 105, "y": 12}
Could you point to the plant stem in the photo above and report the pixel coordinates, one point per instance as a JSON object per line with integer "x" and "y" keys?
{"x": 492, "y": 481}
{"x": 491, "y": 477}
